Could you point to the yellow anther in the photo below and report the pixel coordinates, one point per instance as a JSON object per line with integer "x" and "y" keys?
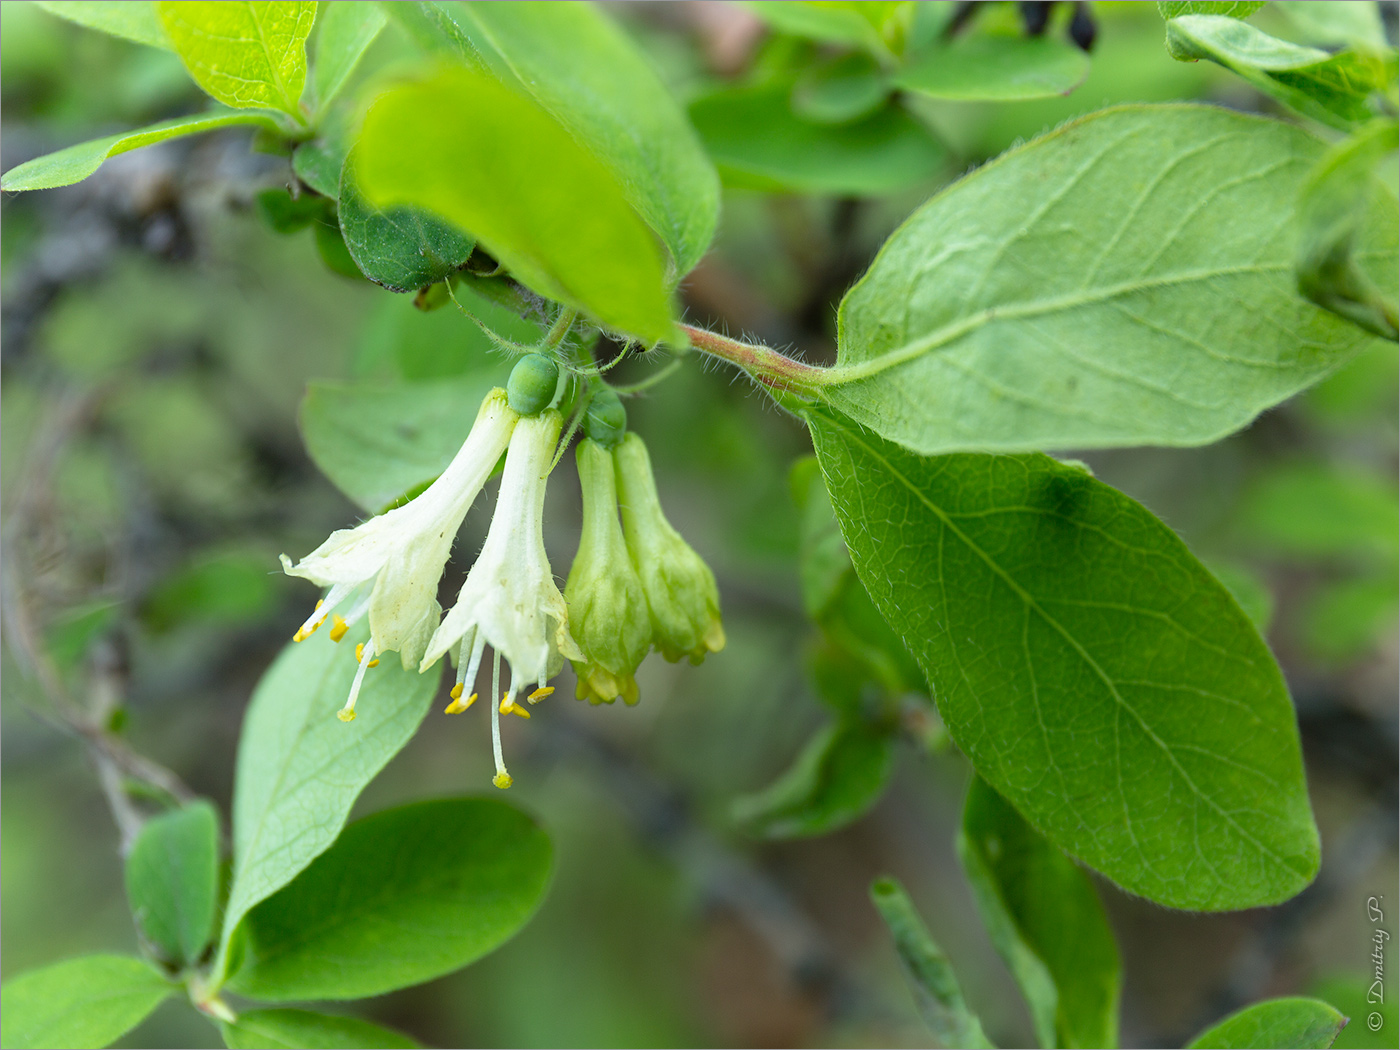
{"x": 346, "y": 714}
{"x": 302, "y": 634}
{"x": 360, "y": 655}
{"x": 319, "y": 602}
{"x": 540, "y": 693}
{"x": 502, "y": 780}
{"x": 510, "y": 707}
{"x": 338, "y": 627}
{"x": 456, "y": 693}
{"x": 458, "y": 705}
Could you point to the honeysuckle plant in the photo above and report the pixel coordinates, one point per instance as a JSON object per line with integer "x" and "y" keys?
{"x": 1144, "y": 274}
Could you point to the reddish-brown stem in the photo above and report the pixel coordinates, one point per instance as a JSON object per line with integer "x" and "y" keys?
{"x": 763, "y": 363}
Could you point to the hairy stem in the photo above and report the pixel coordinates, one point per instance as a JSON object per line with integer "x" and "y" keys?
{"x": 766, "y": 365}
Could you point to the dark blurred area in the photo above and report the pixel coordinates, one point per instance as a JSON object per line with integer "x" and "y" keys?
{"x": 157, "y": 338}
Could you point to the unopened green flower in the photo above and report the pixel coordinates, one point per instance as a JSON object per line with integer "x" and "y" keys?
{"x": 682, "y": 598}
{"x": 608, "y": 614}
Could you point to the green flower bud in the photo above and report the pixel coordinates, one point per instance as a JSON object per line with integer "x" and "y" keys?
{"x": 608, "y": 615}
{"x": 680, "y": 588}
{"x": 532, "y": 383}
{"x": 606, "y": 420}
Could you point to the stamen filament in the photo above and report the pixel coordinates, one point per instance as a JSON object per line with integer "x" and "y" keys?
{"x": 365, "y": 653}
{"x": 502, "y": 779}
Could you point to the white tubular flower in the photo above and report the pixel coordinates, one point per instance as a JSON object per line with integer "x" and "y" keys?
{"x": 390, "y": 566}
{"x": 510, "y": 599}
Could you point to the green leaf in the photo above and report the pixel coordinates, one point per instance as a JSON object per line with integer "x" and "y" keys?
{"x": 930, "y": 974}
{"x": 288, "y": 1029}
{"x": 300, "y": 768}
{"x": 839, "y": 775}
{"x": 377, "y": 443}
{"x": 1324, "y": 22}
{"x": 759, "y": 143}
{"x": 1323, "y": 511}
{"x": 403, "y": 249}
{"x": 432, "y": 29}
{"x": 345, "y": 34}
{"x": 823, "y": 563}
{"x": 1339, "y": 216}
{"x": 1046, "y": 921}
{"x": 318, "y": 163}
{"x": 1334, "y": 89}
{"x": 1248, "y": 589}
{"x": 1344, "y": 618}
{"x": 865, "y": 24}
{"x": 592, "y": 78}
{"x": 130, "y": 21}
{"x": 996, "y": 69}
{"x": 1228, "y": 8}
{"x": 85, "y": 1002}
{"x": 243, "y": 53}
{"x": 1091, "y": 669}
{"x": 1122, "y": 280}
{"x": 840, "y": 89}
{"x": 1299, "y": 1023}
{"x": 502, "y": 168}
{"x": 172, "y": 880}
{"x": 287, "y": 214}
{"x": 76, "y": 163}
{"x": 402, "y": 897}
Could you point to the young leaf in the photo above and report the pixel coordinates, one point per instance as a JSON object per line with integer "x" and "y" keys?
{"x": 586, "y": 72}
{"x": 927, "y": 969}
{"x": 172, "y": 880}
{"x": 288, "y": 1029}
{"x": 856, "y": 24}
{"x": 491, "y": 161}
{"x": 378, "y": 443}
{"x": 300, "y": 768}
{"x": 1334, "y": 89}
{"x": 76, "y": 163}
{"x": 1321, "y": 22}
{"x": 90, "y": 1001}
{"x": 840, "y": 89}
{"x": 402, "y": 897}
{"x": 132, "y": 21}
{"x": 996, "y": 69}
{"x": 1228, "y": 8}
{"x": 1046, "y": 921}
{"x": 1297, "y": 1022}
{"x": 241, "y": 52}
{"x": 403, "y": 249}
{"x": 839, "y": 775}
{"x": 318, "y": 163}
{"x": 1091, "y": 669}
{"x": 1119, "y": 281}
{"x": 759, "y": 143}
{"x": 1336, "y": 226}
{"x": 346, "y": 32}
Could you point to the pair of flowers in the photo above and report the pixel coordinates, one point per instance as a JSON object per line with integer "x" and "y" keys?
{"x": 631, "y": 586}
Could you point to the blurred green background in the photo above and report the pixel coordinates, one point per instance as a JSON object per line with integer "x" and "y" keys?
{"x": 157, "y": 338}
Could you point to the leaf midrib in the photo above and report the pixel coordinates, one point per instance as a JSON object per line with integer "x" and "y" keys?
{"x": 842, "y": 374}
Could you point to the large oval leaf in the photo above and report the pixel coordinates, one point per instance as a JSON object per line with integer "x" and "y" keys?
{"x": 1124, "y": 280}
{"x": 582, "y": 68}
{"x": 490, "y": 160}
{"x": 300, "y": 768}
{"x": 1088, "y": 665}
{"x": 402, "y": 897}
